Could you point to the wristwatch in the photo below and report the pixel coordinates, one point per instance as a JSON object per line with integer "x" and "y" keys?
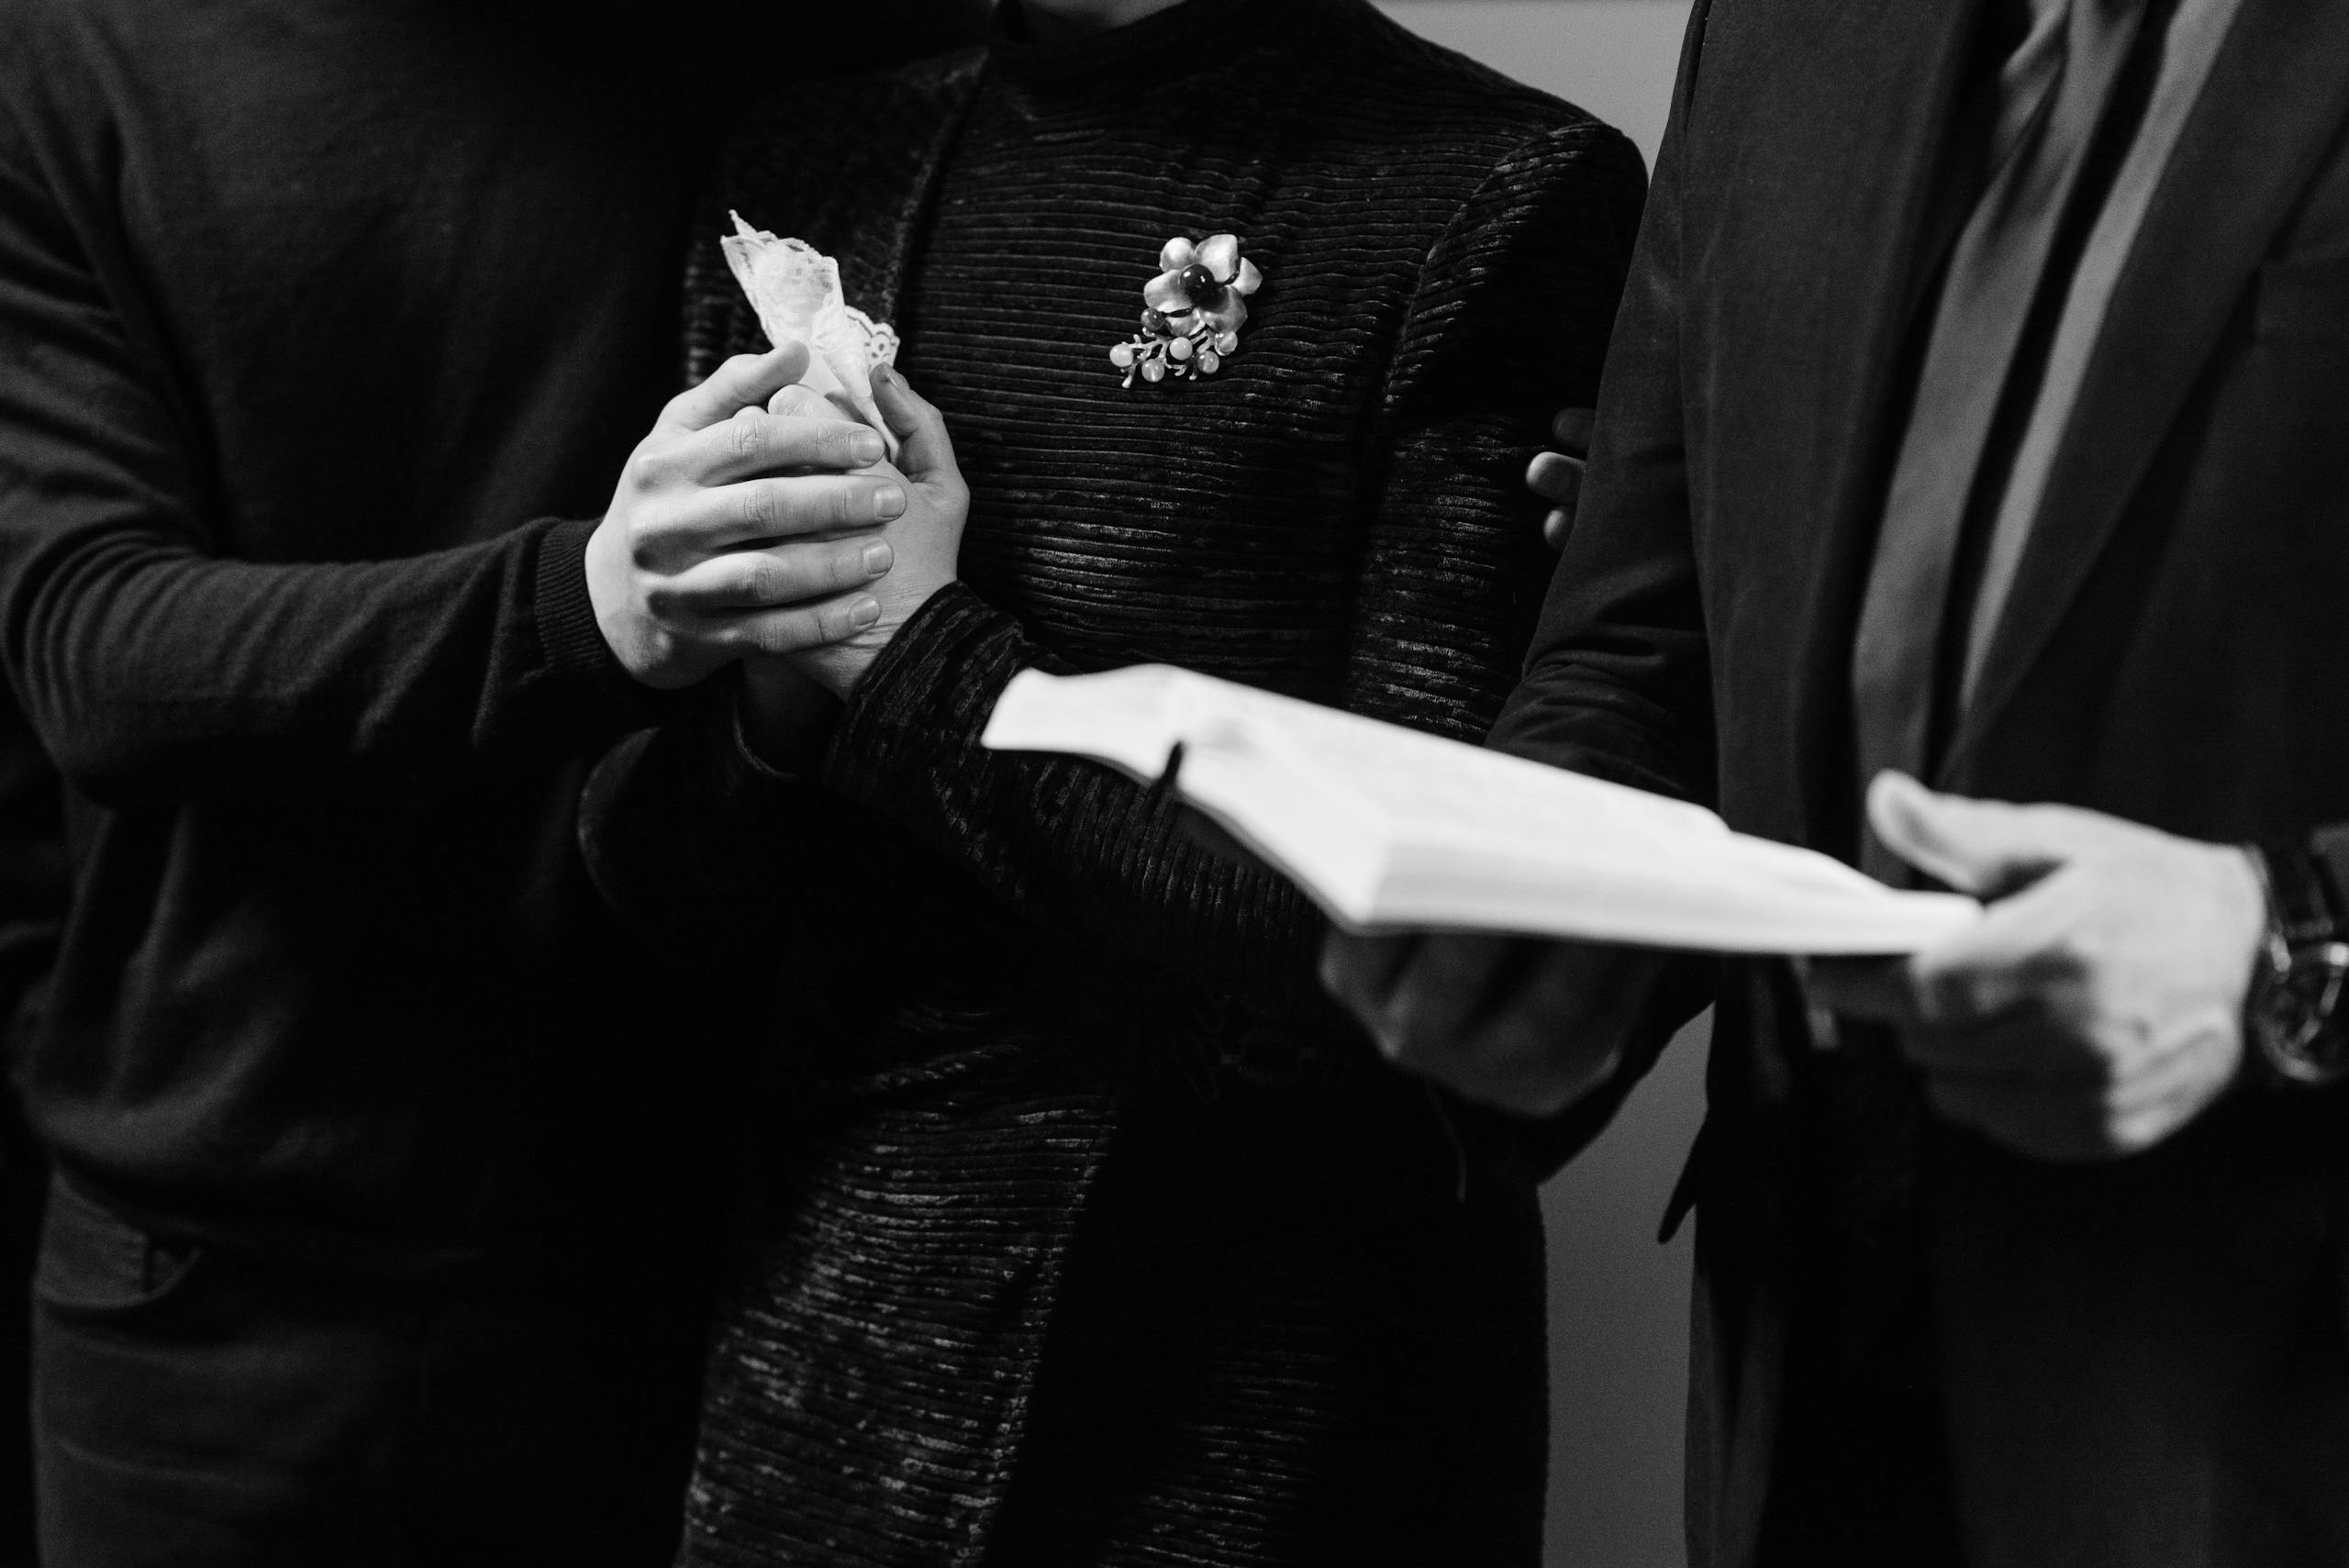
{"x": 2299, "y": 1034}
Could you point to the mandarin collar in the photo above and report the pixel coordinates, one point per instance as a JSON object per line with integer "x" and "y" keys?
{"x": 1180, "y": 41}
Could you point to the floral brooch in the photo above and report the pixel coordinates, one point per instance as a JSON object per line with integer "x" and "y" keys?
{"x": 1195, "y": 309}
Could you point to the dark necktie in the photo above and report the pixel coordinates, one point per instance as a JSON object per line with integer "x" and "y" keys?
{"x": 2050, "y": 97}
{"x": 2020, "y": 145}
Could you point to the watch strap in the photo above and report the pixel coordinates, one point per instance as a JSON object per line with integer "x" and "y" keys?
{"x": 2303, "y": 904}
{"x": 2298, "y": 1038}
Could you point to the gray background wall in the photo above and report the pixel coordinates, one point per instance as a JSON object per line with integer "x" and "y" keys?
{"x": 1618, "y": 1303}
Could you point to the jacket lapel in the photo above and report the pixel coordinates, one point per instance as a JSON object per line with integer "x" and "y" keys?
{"x": 2274, "y": 100}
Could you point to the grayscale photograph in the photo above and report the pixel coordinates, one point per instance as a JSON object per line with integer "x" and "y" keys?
{"x": 1174, "y": 783}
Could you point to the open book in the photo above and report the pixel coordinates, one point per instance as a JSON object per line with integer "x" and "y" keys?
{"x": 1387, "y": 828}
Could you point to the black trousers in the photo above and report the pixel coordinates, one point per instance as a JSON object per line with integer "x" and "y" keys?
{"x": 204, "y": 1411}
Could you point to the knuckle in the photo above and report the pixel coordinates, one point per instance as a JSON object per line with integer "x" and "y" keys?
{"x": 759, "y": 506}
{"x": 770, "y": 583}
{"x": 785, "y": 634}
{"x": 647, "y": 469}
{"x": 746, "y": 437}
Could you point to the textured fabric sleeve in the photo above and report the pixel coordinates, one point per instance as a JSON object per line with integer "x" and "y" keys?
{"x": 694, "y": 842}
{"x": 150, "y": 665}
{"x": 1509, "y": 321}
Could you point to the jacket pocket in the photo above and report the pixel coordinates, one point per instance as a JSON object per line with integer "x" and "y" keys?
{"x": 94, "y": 1265}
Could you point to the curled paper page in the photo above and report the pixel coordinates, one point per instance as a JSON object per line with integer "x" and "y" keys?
{"x": 1392, "y": 829}
{"x": 796, "y": 289}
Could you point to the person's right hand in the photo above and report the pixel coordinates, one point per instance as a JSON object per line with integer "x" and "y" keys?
{"x": 701, "y": 561}
{"x": 1529, "y": 1026}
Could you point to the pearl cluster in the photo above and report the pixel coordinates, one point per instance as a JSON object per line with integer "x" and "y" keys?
{"x": 1158, "y": 350}
{"x": 1194, "y": 309}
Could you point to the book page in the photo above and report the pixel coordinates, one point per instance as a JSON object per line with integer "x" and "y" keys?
{"x": 1387, "y": 827}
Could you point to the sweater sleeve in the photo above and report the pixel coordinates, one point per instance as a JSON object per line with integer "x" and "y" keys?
{"x": 150, "y": 663}
{"x": 1509, "y": 320}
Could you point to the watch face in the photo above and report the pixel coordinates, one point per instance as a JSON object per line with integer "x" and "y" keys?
{"x": 2300, "y": 1034}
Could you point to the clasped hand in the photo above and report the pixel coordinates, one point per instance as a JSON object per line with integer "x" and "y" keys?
{"x": 741, "y": 530}
{"x": 2096, "y": 1007}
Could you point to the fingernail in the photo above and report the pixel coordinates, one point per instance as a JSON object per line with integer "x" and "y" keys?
{"x": 863, "y": 613}
{"x": 883, "y": 375}
{"x": 866, "y": 447}
{"x": 888, "y": 502}
{"x": 877, "y": 556}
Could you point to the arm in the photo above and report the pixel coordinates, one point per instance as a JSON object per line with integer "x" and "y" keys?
{"x": 145, "y": 663}
{"x": 150, "y": 663}
{"x": 1617, "y": 685}
{"x": 1514, "y": 297}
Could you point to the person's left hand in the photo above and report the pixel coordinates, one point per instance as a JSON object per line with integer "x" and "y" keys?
{"x": 2098, "y": 1006}
{"x": 780, "y": 711}
{"x": 1556, "y": 476}
{"x": 1522, "y": 1025}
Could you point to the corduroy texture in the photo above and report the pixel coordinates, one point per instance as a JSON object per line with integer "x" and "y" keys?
{"x": 1103, "y": 1241}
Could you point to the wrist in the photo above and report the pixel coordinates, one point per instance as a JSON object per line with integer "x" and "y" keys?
{"x": 784, "y": 719}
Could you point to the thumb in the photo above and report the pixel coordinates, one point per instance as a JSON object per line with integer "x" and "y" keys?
{"x": 1986, "y": 848}
{"x": 746, "y": 381}
{"x": 929, "y": 452}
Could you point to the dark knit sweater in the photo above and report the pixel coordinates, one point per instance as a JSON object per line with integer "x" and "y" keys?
{"x": 307, "y": 309}
{"x": 1095, "y": 1235}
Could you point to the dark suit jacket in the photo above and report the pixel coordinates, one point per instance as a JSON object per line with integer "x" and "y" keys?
{"x": 2142, "y": 1363}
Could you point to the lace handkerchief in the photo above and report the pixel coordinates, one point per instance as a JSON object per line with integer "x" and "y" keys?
{"x": 796, "y": 289}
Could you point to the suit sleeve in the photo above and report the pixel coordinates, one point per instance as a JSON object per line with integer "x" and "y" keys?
{"x": 1617, "y": 682}
{"x": 1510, "y": 319}
{"x": 150, "y": 663}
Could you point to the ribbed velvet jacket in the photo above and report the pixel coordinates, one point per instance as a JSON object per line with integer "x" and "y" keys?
{"x": 1091, "y": 1234}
